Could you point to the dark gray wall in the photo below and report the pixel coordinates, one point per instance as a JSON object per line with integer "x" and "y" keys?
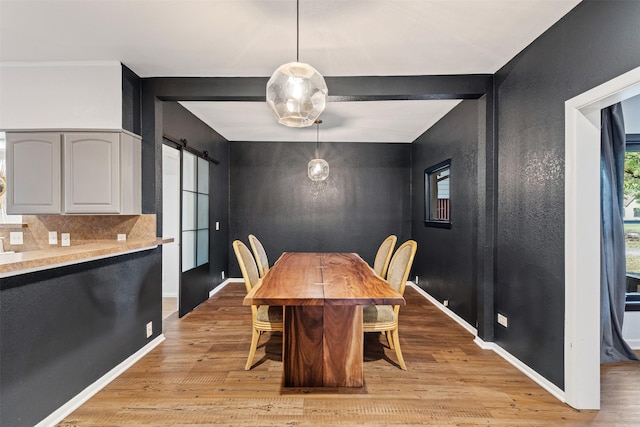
{"x": 365, "y": 198}
{"x": 446, "y": 261}
{"x": 181, "y": 124}
{"x": 62, "y": 329}
{"x": 596, "y": 42}
{"x": 131, "y": 99}
{"x": 157, "y": 91}
{"x": 358, "y": 88}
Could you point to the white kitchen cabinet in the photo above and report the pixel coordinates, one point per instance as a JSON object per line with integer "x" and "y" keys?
{"x": 91, "y": 173}
{"x": 97, "y": 172}
{"x": 33, "y": 173}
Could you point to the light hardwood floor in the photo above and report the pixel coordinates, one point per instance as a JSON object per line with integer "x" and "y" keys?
{"x": 169, "y": 306}
{"x": 197, "y": 377}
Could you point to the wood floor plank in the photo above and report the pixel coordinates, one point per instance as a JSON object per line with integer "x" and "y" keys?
{"x": 197, "y": 378}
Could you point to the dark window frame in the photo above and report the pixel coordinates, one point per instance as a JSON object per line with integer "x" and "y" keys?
{"x": 428, "y": 173}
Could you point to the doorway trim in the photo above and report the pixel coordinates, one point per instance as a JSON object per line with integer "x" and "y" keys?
{"x": 582, "y": 237}
{"x": 171, "y": 224}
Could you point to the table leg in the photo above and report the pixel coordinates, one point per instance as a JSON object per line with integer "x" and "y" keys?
{"x": 302, "y": 346}
{"x": 323, "y": 346}
{"x": 343, "y": 346}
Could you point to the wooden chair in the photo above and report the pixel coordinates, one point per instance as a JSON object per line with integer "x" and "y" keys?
{"x": 383, "y": 256}
{"x": 260, "y": 255}
{"x": 384, "y": 318}
{"x": 264, "y": 317}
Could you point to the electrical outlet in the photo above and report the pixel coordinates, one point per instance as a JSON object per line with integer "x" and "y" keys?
{"x": 149, "y": 329}
{"x": 53, "y": 237}
{"x": 502, "y": 319}
{"x": 65, "y": 239}
{"x": 15, "y": 238}
{"x": 445, "y": 303}
{"x": 223, "y": 275}
{"x": 416, "y": 280}
{"x": 122, "y": 237}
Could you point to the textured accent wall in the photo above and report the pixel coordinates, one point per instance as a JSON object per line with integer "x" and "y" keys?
{"x": 62, "y": 329}
{"x": 594, "y": 43}
{"x": 131, "y": 101}
{"x": 365, "y": 198}
{"x": 447, "y": 260}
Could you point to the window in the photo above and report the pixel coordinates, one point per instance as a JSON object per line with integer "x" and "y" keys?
{"x": 437, "y": 184}
{"x": 632, "y": 206}
{"x": 195, "y": 211}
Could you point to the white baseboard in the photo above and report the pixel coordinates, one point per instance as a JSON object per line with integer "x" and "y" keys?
{"x": 74, "y": 403}
{"x": 536, "y": 377}
{"x": 633, "y": 343}
{"x": 223, "y": 284}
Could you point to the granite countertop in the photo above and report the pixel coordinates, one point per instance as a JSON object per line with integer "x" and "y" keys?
{"x": 12, "y": 264}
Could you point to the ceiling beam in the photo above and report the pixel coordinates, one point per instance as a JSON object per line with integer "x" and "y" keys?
{"x": 341, "y": 89}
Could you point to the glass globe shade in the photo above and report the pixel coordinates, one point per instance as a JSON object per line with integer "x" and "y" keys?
{"x": 297, "y": 94}
{"x": 318, "y": 170}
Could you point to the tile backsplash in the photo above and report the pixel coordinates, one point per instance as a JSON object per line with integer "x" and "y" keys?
{"x": 83, "y": 229}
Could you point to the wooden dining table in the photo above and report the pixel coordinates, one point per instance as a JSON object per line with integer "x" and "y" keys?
{"x": 323, "y": 295}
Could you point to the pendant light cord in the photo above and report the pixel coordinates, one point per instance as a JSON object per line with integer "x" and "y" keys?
{"x": 317, "y": 136}
{"x": 297, "y": 30}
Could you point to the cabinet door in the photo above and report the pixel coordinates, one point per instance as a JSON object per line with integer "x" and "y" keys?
{"x": 92, "y": 173}
{"x": 33, "y": 173}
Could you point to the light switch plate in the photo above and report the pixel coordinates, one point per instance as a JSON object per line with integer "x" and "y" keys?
{"x": 122, "y": 237}
{"x": 53, "y": 237}
{"x": 15, "y": 238}
{"x": 502, "y": 319}
{"x": 217, "y": 225}
{"x": 66, "y": 239}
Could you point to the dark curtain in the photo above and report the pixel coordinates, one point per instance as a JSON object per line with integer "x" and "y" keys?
{"x": 613, "y": 348}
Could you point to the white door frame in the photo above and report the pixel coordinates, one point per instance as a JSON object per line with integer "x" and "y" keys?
{"x": 582, "y": 237}
{"x": 171, "y": 224}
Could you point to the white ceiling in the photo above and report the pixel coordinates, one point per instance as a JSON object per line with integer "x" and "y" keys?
{"x": 247, "y": 38}
{"x": 383, "y": 121}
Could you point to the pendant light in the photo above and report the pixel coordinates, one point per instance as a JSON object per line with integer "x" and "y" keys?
{"x": 297, "y": 92}
{"x": 318, "y": 168}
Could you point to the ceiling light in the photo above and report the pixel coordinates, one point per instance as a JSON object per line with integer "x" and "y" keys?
{"x": 297, "y": 92}
{"x": 318, "y": 169}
